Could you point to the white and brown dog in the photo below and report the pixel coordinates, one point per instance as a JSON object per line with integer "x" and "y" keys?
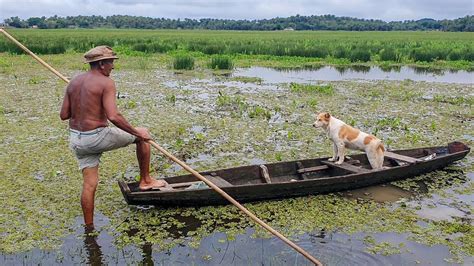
{"x": 344, "y": 136}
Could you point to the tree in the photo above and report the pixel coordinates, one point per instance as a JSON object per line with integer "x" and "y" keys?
{"x": 16, "y": 22}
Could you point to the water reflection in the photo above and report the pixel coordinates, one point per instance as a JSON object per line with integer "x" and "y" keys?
{"x": 360, "y": 68}
{"x": 93, "y": 249}
{"x": 357, "y": 72}
{"x": 341, "y": 69}
{"x": 431, "y": 71}
{"x": 248, "y": 250}
{"x": 313, "y": 67}
{"x": 147, "y": 252}
{"x": 390, "y": 68}
{"x": 331, "y": 248}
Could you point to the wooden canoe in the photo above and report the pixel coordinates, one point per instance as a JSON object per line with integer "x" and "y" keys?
{"x": 295, "y": 178}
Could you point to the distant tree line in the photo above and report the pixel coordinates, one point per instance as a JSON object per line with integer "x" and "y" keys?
{"x": 324, "y": 22}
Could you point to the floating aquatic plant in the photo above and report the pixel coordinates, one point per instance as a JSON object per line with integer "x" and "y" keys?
{"x": 41, "y": 181}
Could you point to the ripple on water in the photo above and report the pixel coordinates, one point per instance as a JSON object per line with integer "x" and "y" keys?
{"x": 338, "y": 253}
{"x": 440, "y": 212}
{"x": 248, "y": 250}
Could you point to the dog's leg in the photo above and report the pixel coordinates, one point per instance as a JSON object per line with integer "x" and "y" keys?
{"x": 334, "y": 150}
{"x": 375, "y": 157}
{"x": 380, "y": 151}
{"x": 372, "y": 157}
{"x": 341, "y": 150}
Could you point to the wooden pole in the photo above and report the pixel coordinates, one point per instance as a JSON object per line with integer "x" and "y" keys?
{"x": 34, "y": 56}
{"x": 237, "y": 204}
{"x": 189, "y": 169}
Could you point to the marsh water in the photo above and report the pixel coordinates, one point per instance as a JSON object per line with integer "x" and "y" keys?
{"x": 213, "y": 121}
{"x": 331, "y": 73}
{"x": 332, "y": 248}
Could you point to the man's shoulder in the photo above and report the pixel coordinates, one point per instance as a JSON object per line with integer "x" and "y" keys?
{"x": 78, "y": 77}
{"x": 91, "y": 82}
{"x": 99, "y": 77}
{"x": 93, "y": 77}
{"x": 107, "y": 82}
{"x": 83, "y": 78}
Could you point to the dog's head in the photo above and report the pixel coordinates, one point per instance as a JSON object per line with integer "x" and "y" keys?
{"x": 322, "y": 120}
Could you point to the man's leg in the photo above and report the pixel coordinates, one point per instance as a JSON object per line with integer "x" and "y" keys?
{"x": 91, "y": 179}
{"x": 143, "y": 156}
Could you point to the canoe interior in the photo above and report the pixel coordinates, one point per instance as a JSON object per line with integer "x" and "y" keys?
{"x": 285, "y": 172}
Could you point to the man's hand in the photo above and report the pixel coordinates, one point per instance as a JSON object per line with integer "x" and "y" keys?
{"x": 143, "y": 133}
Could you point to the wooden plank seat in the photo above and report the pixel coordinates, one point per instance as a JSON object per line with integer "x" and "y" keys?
{"x": 218, "y": 181}
{"x": 400, "y": 157}
{"x": 184, "y": 184}
{"x": 347, "y": 167}
{"x": 312, "y": 169}
{"x": 304, "y": 171}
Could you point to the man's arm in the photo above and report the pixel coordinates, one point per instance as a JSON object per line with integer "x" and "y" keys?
{"x": 66, "y": 107}
{"x": 113, "y": 115}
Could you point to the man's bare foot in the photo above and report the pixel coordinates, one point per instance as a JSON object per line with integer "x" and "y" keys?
{"x": 153, "y": 184}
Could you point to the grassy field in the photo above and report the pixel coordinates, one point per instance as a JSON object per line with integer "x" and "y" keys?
{"x": 303, "y": 48}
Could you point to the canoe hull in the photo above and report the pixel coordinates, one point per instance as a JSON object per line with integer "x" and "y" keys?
{"x": 288, "y": 182}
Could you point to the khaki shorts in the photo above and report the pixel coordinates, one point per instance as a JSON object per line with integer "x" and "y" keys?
{"x": 88, "y": 146}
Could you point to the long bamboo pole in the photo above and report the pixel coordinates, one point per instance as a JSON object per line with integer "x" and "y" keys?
{"x": 34, "y": 56}
{"x": 187, "y": 168}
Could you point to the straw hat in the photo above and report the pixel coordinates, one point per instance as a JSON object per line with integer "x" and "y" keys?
{"x": 99, "y": 53}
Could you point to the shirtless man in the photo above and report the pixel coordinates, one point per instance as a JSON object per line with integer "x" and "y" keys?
{"x": 89, "y": 103}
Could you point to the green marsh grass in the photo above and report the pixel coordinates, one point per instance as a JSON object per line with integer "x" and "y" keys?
{"x": 256, "y": 80}
{"x": 224, "y": 99}
{"x": 183, "y": 61}
{"x": 313, "y": 103}
{"x": 360, "y": 54}
{"x": 143, "y": 64}
{"x": 322, "y": 89}
{"x": 171, "y": 98}
{"x": 259, "y": 111}
{"x": 390, "y": 54}
{"x": 131, "y": 104}
{"x": 221, "y": 62}
{"x": 456, "y": 100}
{"x": 340, "y": 52}
{"x": 445, "y": 49}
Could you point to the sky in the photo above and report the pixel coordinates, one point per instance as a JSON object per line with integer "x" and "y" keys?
{"x": 387, "y": 10}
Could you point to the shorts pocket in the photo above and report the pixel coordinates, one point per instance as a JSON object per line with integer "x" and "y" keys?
{"x": 73, "y": 143}
{"x": 95, "y": 143}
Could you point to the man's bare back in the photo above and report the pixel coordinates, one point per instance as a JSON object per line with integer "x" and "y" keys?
{"x": 85, "y": 96}
{"x": 90, "y": 101}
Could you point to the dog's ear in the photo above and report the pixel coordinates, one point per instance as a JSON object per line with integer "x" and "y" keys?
{"x": 327, "y": 115}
